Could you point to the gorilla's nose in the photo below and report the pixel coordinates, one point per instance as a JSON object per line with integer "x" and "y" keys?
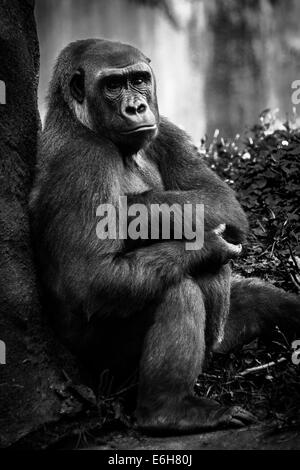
{"x": 132, "y": 109}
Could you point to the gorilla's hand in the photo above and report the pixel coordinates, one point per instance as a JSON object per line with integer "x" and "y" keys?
{"x": 215, "y": 253}
{"x": 228, "y": 250}
{"x": 232, "y": 248}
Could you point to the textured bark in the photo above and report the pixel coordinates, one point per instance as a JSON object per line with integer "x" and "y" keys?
{"x": 34, "y": 393}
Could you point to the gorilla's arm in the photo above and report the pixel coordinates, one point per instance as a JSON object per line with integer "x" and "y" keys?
{"x": 188, "y": 179}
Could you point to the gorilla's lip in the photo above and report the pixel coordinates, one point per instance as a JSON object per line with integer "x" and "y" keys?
{"x": 140, "y": 129}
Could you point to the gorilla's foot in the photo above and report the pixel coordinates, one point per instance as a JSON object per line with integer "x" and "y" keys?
{"x": 191, "y": 415}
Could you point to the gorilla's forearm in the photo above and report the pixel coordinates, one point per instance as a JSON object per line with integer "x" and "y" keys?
{"x": 217, "y": 210}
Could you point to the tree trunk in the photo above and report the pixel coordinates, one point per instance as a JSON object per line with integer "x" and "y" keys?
{"x": 34, "y": 392}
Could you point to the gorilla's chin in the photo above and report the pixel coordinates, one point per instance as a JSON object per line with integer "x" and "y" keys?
{"x": 137, "y": 139}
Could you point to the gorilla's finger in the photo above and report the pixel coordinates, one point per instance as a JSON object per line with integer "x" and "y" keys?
{"x": 220, "y": 229}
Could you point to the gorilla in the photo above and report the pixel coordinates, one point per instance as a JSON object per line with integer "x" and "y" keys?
{"x": 135, "y": 307}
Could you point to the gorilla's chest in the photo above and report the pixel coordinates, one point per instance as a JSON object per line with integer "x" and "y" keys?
{"x": 141, "y": 174}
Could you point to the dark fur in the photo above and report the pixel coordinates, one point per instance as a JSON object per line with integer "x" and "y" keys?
{"x": 156, "y": 308}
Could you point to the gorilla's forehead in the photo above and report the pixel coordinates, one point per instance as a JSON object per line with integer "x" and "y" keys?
{"x": 109, "y": 54}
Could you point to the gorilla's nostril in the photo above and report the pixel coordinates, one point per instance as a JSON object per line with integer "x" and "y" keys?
{"x": 131, "y": 110}
{"x": 141, "y": 108}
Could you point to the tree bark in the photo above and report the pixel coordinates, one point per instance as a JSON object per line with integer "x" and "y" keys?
{"x": 34, "y": 392}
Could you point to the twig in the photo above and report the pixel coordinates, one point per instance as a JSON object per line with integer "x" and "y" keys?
{"x": 296, "y": 264}
{"x": 120, "y": 392}
{"x": 210, "y": 376}
{"x": 251, "y": 370}
{"x": 294, "y": 281}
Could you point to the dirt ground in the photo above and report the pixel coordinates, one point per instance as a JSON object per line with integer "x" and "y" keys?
{"x": 258, "y": 437}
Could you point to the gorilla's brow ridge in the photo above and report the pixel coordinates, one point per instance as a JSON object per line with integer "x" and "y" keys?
{"x": 127, "y": 70}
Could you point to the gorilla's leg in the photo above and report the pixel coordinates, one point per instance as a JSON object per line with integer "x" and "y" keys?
{"x": 173, "y": 355}
{"x": 215, "y": 288}
{"x": 256, "y": 307}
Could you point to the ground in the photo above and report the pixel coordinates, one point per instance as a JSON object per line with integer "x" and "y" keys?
{"x": 261, "y": 437}
{"x": 261, "y": 378}
{"x": 258, "y": 437}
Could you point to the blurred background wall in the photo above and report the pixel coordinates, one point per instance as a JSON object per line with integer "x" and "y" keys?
{"x": 219, "y": 63}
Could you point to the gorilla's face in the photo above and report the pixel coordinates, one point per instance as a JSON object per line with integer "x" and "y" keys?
{"x": 117, "y": 99}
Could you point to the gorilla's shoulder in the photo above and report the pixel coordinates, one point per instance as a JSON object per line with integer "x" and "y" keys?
{"x": 168, "y": 131}
{"x": 173, "y": 144}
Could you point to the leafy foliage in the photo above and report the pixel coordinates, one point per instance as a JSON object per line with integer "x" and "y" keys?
{"x": 264, "y": 170}
{"x": 260, "y": 377}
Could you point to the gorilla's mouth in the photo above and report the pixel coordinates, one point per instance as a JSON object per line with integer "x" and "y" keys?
{"x": 140, "y": 129}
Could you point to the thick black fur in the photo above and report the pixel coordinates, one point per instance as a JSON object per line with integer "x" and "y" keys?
{"x": 155, "y": 308}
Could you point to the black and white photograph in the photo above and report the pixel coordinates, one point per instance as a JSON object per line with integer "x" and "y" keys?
{"x": 149, "y": 228}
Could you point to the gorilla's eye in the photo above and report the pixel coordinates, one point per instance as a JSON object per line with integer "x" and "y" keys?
{"x": 113, "y": 84}
{"x": 139, "y": 79}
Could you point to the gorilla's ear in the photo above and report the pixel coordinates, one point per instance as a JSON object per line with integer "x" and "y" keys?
{"x": 77, "y": 86}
